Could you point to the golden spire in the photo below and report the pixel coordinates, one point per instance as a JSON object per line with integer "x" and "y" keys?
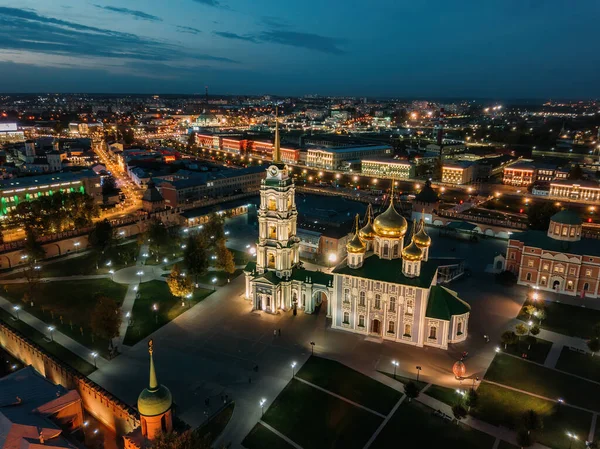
{"x": 356, "y": 245}
{"x": 153, "y": 384}
{"x": 276, "y": 148}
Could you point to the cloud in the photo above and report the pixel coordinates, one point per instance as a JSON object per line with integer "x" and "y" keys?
{"x": 131, "y": 12}
{"x": 310, "y": 41}
{"x": 234, "y": 36}
{"x": 274, "y": 22}
{"x": 27, "y": 31}
{"x": 189, "y": 30}
{"x": 215, "y": 3}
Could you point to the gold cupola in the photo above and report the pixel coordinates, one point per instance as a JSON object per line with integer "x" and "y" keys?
{"x": 356, "y": 245}
{"x": 412, "y": 252}
{"x": 390, "y": 223}
{"x": 421, "y": 238}
{"x": 367, "y": 232}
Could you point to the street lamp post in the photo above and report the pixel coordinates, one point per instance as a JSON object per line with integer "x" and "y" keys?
{"x": 128, "y": 316}
{"x": 475, "y": 379}
{"x": 155, "y": 308}
{"x": 76, "y": 244}
{"x": 312, "y": 348}
{"x": 16, "y": 309}
{"x": 572, "y": 437}
{"x": 214, "y": 283}
{"x": 395, "y": 363}
{"x": 51, "y": 329}
{"x": 112, "y": 272}
{"x": 293, "y": 365}
{"x": 94, "y": 356}
{"x": 418, "y": 371}
{"x": 140, "y": 274}
{"x": 262, "y": 406}
{"x": 332, "y": 259}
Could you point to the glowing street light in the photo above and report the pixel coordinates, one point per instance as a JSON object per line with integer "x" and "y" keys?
{"x": 94, "y": 356}
{"x": 140, "y": 274}
{"x": 396, "y": 364}
{"x": 293, "y": 365}
{"x": 214, "y": 283}
{"x": 572, "y": 437}
{"x": 155, "y": 308}
{"x": 332, "y": 258}
{"x": 497, "y": 349}
{"x": 16, "y": 309}
{"x": 262, "y": 406}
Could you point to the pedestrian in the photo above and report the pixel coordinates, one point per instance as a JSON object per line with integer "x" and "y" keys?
{"x": 280, "y": 332}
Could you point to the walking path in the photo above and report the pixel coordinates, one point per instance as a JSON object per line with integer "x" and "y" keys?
{"x": 60, "y": 338}
{"x": 79, "y": 277}
{"x": 129, "y": 300}
{"x": 385, "y": 421}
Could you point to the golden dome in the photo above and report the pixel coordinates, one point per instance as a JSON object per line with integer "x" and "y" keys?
{"x": 367, "y": 232}
{"x": 412, "y": 252}
{"x": 390, "y": 223}
{"x": 356, "y": 245}
{"x": 421, "y": 238}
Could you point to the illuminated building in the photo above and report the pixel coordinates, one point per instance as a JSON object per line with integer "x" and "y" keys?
{"x": 458, "y": 172}
{"x": 332, "y": 158}
{"x": 558, "y": 260}
{"x": 16, "y": 190}
{"x": 9, "y": 133}
{"x": 520, "y": 174}
{"x": 575, "y": 190}
{"x": 388, "y": 168}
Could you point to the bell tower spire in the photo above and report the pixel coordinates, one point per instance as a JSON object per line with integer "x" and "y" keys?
{"x": 276, "y": 144}
{"x": 153, "y": 384}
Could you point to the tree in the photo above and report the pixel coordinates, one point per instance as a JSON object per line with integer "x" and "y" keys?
{"x": 191, "y": 140}
{"x": 532, "y": 421}
{"x": 106, "y": 319}
{"x": 411, "y": 390}
{"x": 575, "y": 172}
{"x": 158, "y": 235}
{"x": 535, "y": 330}
{"x": 179, "y": 284}
{"x": 530, "y": 310}
{"x": 101, "y": 238}
{"x": 594, "y": 345}
{"x": 521, "y": 330}
{"x": 508, "y": 338}
{"x": 224, "y": 258}
{"x": 471, "y": 399}
{"x": 524, "y": 438}
{"x": 33, "y": 249}
{"x": 541, "y": 314}
{"x": 109, "y": 186}
{"x": 538, "y": 215}
{"x": 214, "y": 229}
{"x": 188, "y": 439}
{"x": 437, "y": 169}
{"x": 596, "y": 330}
{"x": 459, "y": 411}
{"x": 195, "y": 256}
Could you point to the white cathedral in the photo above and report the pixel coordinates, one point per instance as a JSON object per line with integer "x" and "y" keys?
{"x": 383, "y": 289}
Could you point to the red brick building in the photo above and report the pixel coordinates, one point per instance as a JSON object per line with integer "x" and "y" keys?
{"x": 558, "y": 260}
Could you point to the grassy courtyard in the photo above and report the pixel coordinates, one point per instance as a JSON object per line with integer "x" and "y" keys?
{"x": 583, "y": 365}
{"x": 444, "y": 394}
{"x": 314, "y": 419}
{"x": 536, "y": 352}
{"x": 500, "y": 406}
{"x": 574, "y": 321}
{"x": 260, "y": 437}
{"x": 145, "y": 320}
{"x": 543, "y": 381}
{"x": 346, "y": 382}
{"x": 51, "y": 347}
{"x": 416, "y": 422}
{"x": 68, "y": 306}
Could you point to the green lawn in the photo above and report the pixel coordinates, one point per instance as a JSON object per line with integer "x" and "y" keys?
{"x": 221, "y": 276}
{"x": 261, "y": 438}
{"x": 504, "y": 445}
{"x": 416, "y": 422}
{"x": 446, "y": 395}
{"x": 68, "y": 305}
{"x": 53, "y": 348}
{"x": 565, "y": 319}
{"x": 583, "y": 365}
{"x": 346, "y": 382}
{"x": 536, "y": 353}
{"x": 314, "y": 419}
{"x": 500, "y": 406}
{"x": 543, "y": 381}
{"x": 145, "y": 320}
{"x": 211, "y": 430}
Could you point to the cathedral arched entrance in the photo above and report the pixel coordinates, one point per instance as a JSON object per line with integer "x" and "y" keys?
{"x": 376, "y": 327}
{"x": 320, "y": 298}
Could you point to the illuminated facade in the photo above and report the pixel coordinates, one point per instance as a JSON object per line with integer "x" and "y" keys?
{"x": 520, "y": 174}
{"x": 388, "y": 168}
{"x": 332, "y": 158}
{"x": 575, "y": 190}
{"x": 459, "y": 172}
{"x": 558, "y": 260}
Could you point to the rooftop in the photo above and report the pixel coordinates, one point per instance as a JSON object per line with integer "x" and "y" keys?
{"x": 444, "y": 303}
{"x": 540, "y": 239}
{"x": 30, "y": 181}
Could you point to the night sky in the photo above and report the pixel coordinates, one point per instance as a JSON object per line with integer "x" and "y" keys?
{"x": 421, "y": 48}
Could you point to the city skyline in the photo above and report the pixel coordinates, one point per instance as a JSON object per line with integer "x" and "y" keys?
{"x": 395, "y": 49}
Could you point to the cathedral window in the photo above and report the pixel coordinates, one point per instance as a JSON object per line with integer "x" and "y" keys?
{"x": 409, "y": 306}
{"x": 572, "y": 232}
{"x": 386, "y": 248}
{"x": 392, "y": 304}
{"x": 346, "y": 318}
{"x": 272, "y": 232}
{"x": 570, "y": 285}
{"x": 433, "y": 332}
{"x": 361, "y": 299}
{"x": 361, "y": 321}
{"x": 272, "y": 204}
{"x": 408, "y": 268}
{"x": 564, "y": 231}
{"x": 391, "y": 327}
{"x": 378, "y": 301}
{"x": 528, "y": 277}
{"x": 407, "y": 329}
{"x": 459, "y": 328}
{"x": 346, "y": 295}
{"x": 543, "y": 280}
{"x": 557, "y": 230}
{"x": 586, "y": 287}
{"x": 271, "y": 261}
{"x": 395, "y": 252}
{"x": 588, "y": 272}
